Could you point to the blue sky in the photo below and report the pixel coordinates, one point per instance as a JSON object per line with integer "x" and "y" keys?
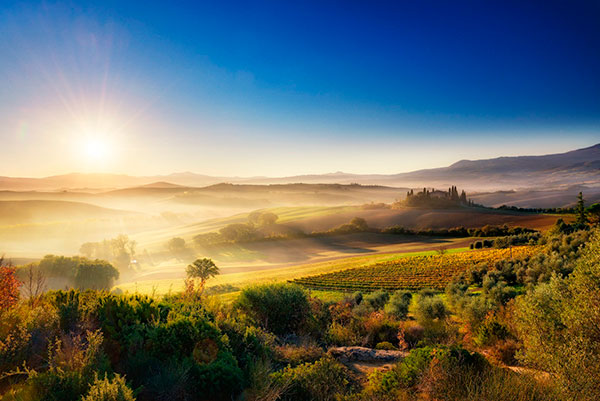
{"x": 279, "y": 88}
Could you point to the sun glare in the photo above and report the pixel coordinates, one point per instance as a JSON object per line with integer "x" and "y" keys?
{"x": 96, "y": 148}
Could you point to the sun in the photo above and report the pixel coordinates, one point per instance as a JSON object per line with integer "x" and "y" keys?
{"x": 96, "y": 148}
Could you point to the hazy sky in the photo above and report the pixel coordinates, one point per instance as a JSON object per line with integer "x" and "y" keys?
{"x": 280, "y": 88}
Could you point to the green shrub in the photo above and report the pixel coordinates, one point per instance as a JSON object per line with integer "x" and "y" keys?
{"x": 295, "y": 355}
{"x": 249, "y": 344}
{"x": 218, "y": 380}
{"x": 429, "y": 308}
{"x": 558, "y": 324}
{"x": 407, "y": 373}
{"x": 57, "y": 385}
{"x": 398, "y": 304}
{"x": 385, "y": 345}
{"x": 114, "y": 389}
{"x": 377, "y": 299}
{"x": 279, "y": 308}
{"x": 490, "y": 332}
{"x": 323, "y": 380}
{"x": 345, "y": 334}
{"x": 25, "y": 333}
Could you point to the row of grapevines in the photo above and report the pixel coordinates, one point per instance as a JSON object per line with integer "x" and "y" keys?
{"x": 411, "y": 273}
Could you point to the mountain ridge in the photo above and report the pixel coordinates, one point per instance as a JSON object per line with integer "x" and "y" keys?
{"x": 580, "y": 166}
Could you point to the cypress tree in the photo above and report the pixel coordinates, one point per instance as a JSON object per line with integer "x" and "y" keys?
{"x": 580, "y": 210}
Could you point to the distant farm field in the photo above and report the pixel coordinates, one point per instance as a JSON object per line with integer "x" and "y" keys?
{"x": 240, "y": 277}
{"x": 411, "y": 273}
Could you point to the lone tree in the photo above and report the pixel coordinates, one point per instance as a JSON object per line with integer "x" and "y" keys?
{"x": 580, "y": 210}
{"x": 202, "y": 269}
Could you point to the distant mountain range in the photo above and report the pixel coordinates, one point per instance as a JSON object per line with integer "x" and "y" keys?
{"x": 577, "y": 167}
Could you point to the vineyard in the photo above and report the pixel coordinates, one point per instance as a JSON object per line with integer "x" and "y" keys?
{"x": 411, "y": 273}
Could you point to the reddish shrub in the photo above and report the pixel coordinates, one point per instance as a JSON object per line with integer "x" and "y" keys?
{"x": 9, "y": 286}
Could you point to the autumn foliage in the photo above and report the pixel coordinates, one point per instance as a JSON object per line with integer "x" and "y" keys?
{"x": 9, "y": 286}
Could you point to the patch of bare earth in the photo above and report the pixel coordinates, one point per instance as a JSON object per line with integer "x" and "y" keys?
{"x": 363, "y": 361}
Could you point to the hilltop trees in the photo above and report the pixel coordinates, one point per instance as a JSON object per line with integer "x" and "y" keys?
{"x": 239, "y": 232}
{"x": 260, "y": 218}
{"x": 260, "y": 225}
{"x": 176, "y": 245}
{"x": 179, "y": 249}
{"x": 434, "y": 198}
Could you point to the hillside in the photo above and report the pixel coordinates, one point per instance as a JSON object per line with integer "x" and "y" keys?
{"x": 310, "y": 219}
{"x": 580, "y": 166}
{"x": 26, "y": 211}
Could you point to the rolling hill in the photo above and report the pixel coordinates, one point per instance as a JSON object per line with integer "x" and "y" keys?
{"x": 541, "y": 172}
{"x": 27, "y": 211}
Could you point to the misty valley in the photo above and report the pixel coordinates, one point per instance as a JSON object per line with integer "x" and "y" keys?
{"x": 299, "y": 201}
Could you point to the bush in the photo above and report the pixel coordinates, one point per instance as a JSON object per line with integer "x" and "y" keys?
{"x": 249, "y": 344}
{"x": 379, "y": 329}
{"x": 279, "y": 308}
{"x": 345, "y": 334}
{"x": 398, "y": 304}
{"x": 490, "y": 332}
{"x": 385, "y": 345}
{"x": 409, "y": 372}
{"x": 377, "y": 299}
{"x": 57, "y": 385}
{"x": 505, "y": 351}
{"x": 558, "y": 323}
{"x": 9, "y": 286}
{"x": 25, "y": 334}
{"x": 294, "y": 355}
{"x": 410, "y": 335}
{"x": 109, "y": 390}
{"x": 429, "y": 308}
{"x": 323, "y": 380}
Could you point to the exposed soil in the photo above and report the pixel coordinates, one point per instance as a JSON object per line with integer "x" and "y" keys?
{"x": 363, "y": 361}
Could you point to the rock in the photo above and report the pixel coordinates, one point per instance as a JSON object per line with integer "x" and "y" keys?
{"x": 363, "y": 354}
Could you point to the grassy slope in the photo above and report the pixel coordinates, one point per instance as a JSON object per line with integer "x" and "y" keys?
{"x": 318, "y": 218}
{"x": 286, "y": 215}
